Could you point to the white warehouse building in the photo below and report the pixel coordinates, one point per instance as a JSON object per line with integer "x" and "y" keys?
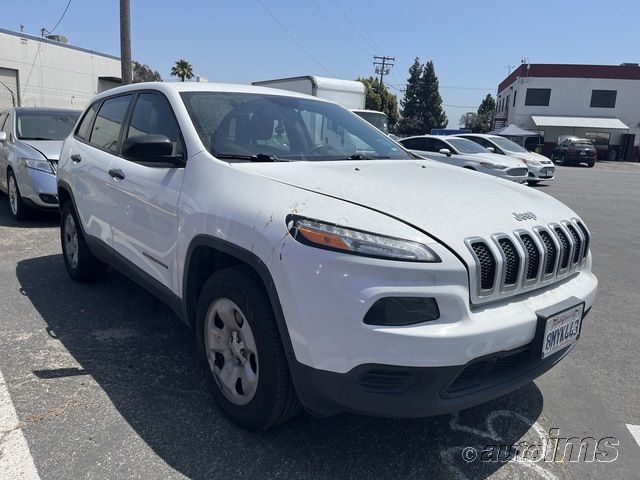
{"x": 599, "y": 102}
{"x": 48, "y": 72}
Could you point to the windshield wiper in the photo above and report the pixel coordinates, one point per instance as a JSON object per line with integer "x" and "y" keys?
{"x": 259, "y": 157}
{"x": 359, "y": 156}
{"x": 33, "y": 138}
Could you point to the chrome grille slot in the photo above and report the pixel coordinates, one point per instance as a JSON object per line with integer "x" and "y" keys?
{"x": 565, "y": 248}
{"x": 487, "y": 264}
{"x": 577, "y": 241}
{"x": 533, "y": 262}
{"x": 511, "y": 262}
{"x": 585, "y": 235}
{"x": 552, "y": 253}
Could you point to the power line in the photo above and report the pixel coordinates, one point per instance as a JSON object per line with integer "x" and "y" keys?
{"x": 292, "y": 38}
{"x": 354, "y": 26}
{"x": 375, "y": 44}
{"x": 337, "y": 27}
{"x": 61, "y": 17}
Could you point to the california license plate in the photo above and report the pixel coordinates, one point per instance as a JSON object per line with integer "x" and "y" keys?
{"x": 561, "y": 330}
{"x": 582, "y": 154}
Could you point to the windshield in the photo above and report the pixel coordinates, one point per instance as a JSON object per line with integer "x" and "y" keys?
{"x": 506, "y": 144}
{"x": 263, "y": 127}
{"x": 462, "y": 145}
{"x": 377, "y": 119}
{"x": 45, "y": 125}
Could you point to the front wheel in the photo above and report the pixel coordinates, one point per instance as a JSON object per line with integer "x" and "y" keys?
{"x": 81, "y": 264}
{"x": 591, "y": 163}
{"x": 19, "y": 209}
{"x": 240, "y": 348}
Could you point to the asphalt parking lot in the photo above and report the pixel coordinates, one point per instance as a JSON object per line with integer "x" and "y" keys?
{"x": 104, "y": 381}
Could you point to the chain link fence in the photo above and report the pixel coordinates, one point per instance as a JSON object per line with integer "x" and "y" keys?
{"x": 44, "y": 97}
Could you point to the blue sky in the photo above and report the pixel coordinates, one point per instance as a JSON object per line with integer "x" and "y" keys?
{"x": 470, "y": 42}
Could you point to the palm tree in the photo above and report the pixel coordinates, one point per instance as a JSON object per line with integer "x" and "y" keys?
{"x": 182, "y": 69}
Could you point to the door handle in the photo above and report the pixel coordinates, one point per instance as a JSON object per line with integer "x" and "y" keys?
{"x": 76, "y": 158}
{"x": 116, "y": 174}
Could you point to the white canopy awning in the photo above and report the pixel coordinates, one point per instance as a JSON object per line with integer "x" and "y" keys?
{"x": 609, "y": 123}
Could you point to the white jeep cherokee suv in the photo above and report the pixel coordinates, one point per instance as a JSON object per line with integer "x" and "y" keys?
{"x": 319, "y": 263}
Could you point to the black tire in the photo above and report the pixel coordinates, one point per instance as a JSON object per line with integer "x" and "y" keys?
{"x": 591, "y": 163}
{"x": 533, "y": 182}
{"x": 85, "y": 268}
{"x": 275, "y": 400}
{"x": 563, "y": 160}
{"x": 18, "y": 207}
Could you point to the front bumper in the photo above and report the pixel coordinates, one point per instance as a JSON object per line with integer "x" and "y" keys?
{"x": 39, "y": 189}
{"x": 541, "y": 172}
{"x": 387, "y": 391}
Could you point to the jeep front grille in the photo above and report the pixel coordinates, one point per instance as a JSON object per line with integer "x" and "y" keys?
{"x": 526, "y": 259}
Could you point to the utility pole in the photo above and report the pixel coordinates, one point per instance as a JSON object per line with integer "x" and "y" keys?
{"x": 383, "y": 65}
{"x": 125, "y": 42}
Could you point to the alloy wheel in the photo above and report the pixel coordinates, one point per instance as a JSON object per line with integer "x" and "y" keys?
{"x": 13, "y": 195}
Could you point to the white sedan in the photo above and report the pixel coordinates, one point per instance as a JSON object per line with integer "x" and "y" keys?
{"x": 467, "y": 154}
{"x": 540, "y": 167}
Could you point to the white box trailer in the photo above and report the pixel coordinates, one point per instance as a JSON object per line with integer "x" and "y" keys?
{"x": 348, "y": 93}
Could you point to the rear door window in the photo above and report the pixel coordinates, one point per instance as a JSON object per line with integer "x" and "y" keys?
{"x": 106, "y": 129}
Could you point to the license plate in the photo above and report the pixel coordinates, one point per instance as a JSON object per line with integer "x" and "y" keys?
{"x": 583, "y": 154}
{"x": 561, "y": 330}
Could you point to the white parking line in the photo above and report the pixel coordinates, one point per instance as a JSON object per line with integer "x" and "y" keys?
{"x": 15, "y": 459}
{"x": 635, "y": 432}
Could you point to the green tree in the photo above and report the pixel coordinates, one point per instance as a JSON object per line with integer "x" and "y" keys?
{"x": 411, "y": 121}
{"x": 422, "y": 104}
{"x": 143, "y": 73}
{"x": 183, "y": 70}
{"x": 379, "y": 98}
{"x": 433, "y": 115}
{"x": 480, "y": 122}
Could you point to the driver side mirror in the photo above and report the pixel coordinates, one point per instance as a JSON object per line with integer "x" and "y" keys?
{"x": 3, "y": 137}
{"x": 445, "y": 151}
{"x": 150, "y": 148}
{"x": 491, "y": 149}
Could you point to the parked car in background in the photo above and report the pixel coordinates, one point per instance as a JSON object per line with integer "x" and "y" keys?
{"x": 30, "y": 142}
{"x": 375, "y": 118}
{"x": 315, "y": 275}
{"x": 540, "y": 167}
{"x": 467, "y": 154}
{"x": 574, "y": 151}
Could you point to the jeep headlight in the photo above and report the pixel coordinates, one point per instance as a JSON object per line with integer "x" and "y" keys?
{"x": 357, "y": 242}
{"x": 37, "y": 164}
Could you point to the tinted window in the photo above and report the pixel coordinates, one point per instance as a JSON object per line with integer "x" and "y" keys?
{"x": 538, "y": 97}
{"x": 435, "y": 145}
{"x": 106, "y": 128}
{"x": 462, "y": 145}
{"x": 85, "y": 124}
{"x": 603, "y": 98}
{"x": 152, "y": 114}
{"x": 414, "y": 143}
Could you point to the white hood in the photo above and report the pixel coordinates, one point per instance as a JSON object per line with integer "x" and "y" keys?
{"x": 447, "y": 202}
